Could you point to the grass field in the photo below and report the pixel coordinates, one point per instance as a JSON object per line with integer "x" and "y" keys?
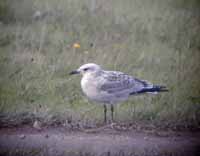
{"x": 156, "y": 40}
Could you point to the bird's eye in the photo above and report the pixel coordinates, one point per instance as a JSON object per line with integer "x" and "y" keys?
{"x": 85, "y": 69}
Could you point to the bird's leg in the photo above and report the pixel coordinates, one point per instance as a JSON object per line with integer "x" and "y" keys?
{"x": 105, "y": 111}
{"x": 112, "y": 112}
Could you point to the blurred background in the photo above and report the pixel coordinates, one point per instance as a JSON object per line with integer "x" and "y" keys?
{"x": 41, "y": 41}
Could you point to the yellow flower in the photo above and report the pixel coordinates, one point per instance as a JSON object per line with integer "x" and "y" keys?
{"x": 76, "y": 45}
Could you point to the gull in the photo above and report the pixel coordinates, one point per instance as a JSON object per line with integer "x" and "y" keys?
{"x": 112, "y": 87}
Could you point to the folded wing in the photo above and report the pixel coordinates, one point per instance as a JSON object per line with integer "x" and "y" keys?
{"x": 118, "y": 82}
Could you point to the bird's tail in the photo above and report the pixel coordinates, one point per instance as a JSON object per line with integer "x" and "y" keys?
{"x": 154, "y": 89}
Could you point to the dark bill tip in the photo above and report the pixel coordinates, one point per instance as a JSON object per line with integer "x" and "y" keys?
{"x": 73, "y": 72}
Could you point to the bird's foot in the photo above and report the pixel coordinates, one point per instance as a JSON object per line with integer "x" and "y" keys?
{"x": 112, "y": 125}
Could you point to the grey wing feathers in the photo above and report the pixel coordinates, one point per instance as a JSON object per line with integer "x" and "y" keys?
{"x": 115, "y": 82}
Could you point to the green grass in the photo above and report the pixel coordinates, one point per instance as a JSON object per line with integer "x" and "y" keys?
{"x": 153, "y": 40}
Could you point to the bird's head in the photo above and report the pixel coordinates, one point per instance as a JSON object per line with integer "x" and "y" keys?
{"x": 89, "y": 68}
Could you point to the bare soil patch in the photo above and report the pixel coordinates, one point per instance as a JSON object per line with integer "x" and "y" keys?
{"x": 103, "y": 141}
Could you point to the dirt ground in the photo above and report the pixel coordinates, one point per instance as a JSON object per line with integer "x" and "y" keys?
{"x": 104, "y": 141}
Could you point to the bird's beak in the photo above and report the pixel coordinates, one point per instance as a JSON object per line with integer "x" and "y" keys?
{"x": 74, "y": 72}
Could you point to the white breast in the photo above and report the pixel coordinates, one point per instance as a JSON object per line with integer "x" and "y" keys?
{"x": 89, "y": 86}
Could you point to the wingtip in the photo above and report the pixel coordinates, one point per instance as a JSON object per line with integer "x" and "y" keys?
{"x": 161, "y": 88}
{"x": 164, "y": 90}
